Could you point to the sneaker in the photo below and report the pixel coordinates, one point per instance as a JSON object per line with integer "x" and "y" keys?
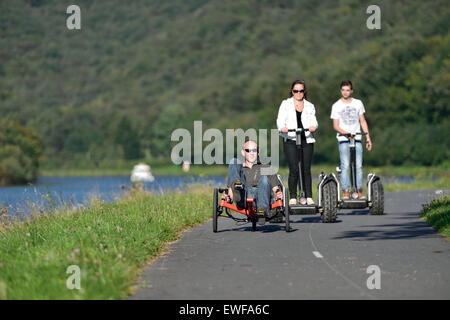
{"x": 309, "y": 201}
{"x": 361, "y": 195}
{"x": 276, "y": 218}
{"x": 261, "y": 216}
{"x": 346, "y": 195}
{"x": 237, "y": 188}
{"x": 293, "y": 202}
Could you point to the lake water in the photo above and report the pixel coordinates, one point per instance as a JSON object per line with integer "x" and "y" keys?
{"x": 78, "y": 191}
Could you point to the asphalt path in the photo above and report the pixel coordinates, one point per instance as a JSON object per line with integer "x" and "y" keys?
{"x": 313, "y": 261}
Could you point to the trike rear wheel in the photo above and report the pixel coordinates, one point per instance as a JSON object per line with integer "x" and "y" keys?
{"x": 215, "y": 207}
{"x": 286, "y": 212}
{"x": 254, "y": 219}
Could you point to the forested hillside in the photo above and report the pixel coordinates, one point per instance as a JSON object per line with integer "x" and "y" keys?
{"x": 137, "y": 70}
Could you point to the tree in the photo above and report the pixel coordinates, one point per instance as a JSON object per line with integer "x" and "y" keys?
{"x": 127, "y": 137}
{"x": 20, "y": 149}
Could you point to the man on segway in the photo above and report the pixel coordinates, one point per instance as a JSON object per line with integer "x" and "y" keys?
{"x": 348, "y": 119}
{"x": 246, "y": 181}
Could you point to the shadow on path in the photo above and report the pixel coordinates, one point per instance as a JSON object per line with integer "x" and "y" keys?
{"x": 355, "y": 213}
{"x": 267, "y": 228}
{"x": 413, "y": 229}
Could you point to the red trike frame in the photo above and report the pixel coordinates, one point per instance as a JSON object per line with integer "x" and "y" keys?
{"x": 280, "y": 205}
{"x": 250, "y": 210}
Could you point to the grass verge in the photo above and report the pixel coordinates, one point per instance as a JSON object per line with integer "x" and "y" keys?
{"x": 420, "y": 184}
{"x": 437, "y": 214}
{"x": 110, "y": 243}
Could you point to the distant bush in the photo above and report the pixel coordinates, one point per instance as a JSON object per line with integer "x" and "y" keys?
{"x": 410, "y": 144}
{"x": 20, "y": 149}
{"x": 437, "y": 214}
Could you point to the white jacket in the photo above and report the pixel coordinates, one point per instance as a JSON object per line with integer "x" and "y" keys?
{"x": 287, "y": 117}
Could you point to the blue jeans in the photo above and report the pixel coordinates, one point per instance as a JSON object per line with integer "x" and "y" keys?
{"x": 260, "y": 194}
{"x": 344, "y": 152}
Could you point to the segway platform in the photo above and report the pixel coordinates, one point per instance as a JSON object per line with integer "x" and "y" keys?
{"x": 353, "y": 204}
{"x": 303, "y": 209}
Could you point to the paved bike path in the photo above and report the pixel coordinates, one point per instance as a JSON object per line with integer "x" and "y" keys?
{"x": 313, "y": 261}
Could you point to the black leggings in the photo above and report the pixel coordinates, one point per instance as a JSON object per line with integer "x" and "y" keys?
{"x": 293, "y": 157}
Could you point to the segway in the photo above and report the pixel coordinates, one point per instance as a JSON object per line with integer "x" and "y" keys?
{"x": 375, "y": 192}
{"x": 326, "y": 203}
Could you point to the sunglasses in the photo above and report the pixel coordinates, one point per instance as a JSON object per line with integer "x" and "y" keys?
{"x": 251, "y": 150}
{"x": 298, "y": 91}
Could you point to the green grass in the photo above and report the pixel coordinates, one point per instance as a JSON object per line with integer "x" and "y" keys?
{"x": 111, "y": 243}
{"x": 437, "y": 214}
{"x": 420, "y": 184}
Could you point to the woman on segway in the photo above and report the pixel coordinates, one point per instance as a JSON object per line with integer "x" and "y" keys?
{"x": 296, "y": 112}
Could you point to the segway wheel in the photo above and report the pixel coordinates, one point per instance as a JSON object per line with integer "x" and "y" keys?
{"x": 215, "y": 207}
{"x": 286, "y": 212}
{"x": 254, "y": 219}
{"x": 329, "y": 202}
{"x": 377, "y": 195}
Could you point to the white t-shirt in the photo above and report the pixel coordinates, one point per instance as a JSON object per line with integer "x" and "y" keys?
{"x": 348, "y": 116}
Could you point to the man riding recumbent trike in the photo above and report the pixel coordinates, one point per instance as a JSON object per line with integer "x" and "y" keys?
{"x": 263, "y": 197}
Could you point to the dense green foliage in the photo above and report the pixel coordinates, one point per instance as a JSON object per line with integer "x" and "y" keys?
{"x": 20, "y": 149}
{"x": 437, "y": 214}
{"x": 137, "y": 70}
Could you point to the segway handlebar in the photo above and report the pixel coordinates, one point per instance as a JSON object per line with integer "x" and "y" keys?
{"x": 298, "y": 131}
{"x": 350, "y": 135}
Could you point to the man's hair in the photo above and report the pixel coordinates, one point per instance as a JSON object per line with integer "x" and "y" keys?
{"x": 346, "y": 83}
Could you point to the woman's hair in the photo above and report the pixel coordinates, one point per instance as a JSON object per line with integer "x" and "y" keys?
{"x": 293, "y": 85}
{"x": 346, "y": 83}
